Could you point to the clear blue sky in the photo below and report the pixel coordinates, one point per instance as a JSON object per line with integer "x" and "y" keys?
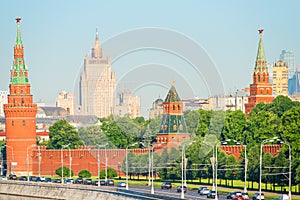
{"x": 57, "y": 34}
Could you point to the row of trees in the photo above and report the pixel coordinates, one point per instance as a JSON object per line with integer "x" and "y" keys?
{"x": 66, "y": 172}
{"x": 280, "y": 119}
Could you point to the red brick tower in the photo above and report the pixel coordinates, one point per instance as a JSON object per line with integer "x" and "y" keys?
{"x": 172, "y": 128}
{"x": 20, "y": 114}
{"x": 260, "y": 89}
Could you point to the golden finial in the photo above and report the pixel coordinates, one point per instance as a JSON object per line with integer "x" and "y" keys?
{"x": 173, "y": 82}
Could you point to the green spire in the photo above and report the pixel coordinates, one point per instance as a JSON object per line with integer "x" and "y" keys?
{"x": 260, "y": 64}
{"x": 172, "y": 95}
{"x": 18, "y": 39}
{"x": 19, "y": 71}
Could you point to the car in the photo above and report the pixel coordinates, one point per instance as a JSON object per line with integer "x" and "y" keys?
{"x": 229, "y": 195}
{"x": 48, "y": 180}
{"x": 79, "y": 180}
{"x": 204, "y": 191}
{"x": 2, "y": 177}
{"x": 211, "y": 194}
{"x": 87, "y": 181}
{"x": 179, "y": 189}
{"x": 12, "y": 177}
{"x": 238, "y": 197}
{"x": 283, "y": 197}
{"x": 32, "y": 178}
{"x": 102, "y": 182}
{"x": 201, "y": 188}
{"x": 109, "y": 182}
{"x": 23, "y": 178}
{"x": 121, "y": 184}
{"x": 57, "y": 180}
{"x": 166, "y": 185}
{"x": 69, "y": 181}
{"x": 245, "y": 195}
{"x": 256, "y": 196}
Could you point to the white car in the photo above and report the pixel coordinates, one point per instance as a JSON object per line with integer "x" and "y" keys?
{"x": 121, "y": 184}
{"x": 204, "y": 191}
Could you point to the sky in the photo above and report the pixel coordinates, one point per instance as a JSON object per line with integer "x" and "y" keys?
{"x": 58, "y": 34}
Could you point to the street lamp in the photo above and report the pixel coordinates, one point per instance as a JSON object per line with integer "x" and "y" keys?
{"x": 62, "y": 162}
{"x": 126, "y": 160}
{"x": 39, "y": 160}
{"x": 27, "y": 159}
{"x": 99, "y": 164}
{"x": 12, "y": 162}
{"x": 290, "y": 166}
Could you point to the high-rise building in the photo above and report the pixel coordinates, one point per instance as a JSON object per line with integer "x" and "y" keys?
{"x": 97, "y": 86}
{"x": 128, "y": 104}
{"x": 294, "y": 85}
{"x": 260, "y": 89}
{"x": 66, "y": 100}
{"x": 3, "y": 100}
{"x": 20, "y": 114}
{"x": 280, "y": 78}
{"x": 289, "y": 58}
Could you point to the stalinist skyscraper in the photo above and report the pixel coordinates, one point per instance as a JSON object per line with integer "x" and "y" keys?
{"x": 97, "y": 86}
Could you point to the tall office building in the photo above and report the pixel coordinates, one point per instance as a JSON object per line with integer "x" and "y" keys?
{"x": 260, "y": 89}
{"x": 97, "y": 86}
{"x": 289, "y": 58}
{"x": 280, "y": 78}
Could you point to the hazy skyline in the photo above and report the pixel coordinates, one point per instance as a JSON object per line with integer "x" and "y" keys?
{"x": 58, "y": 34}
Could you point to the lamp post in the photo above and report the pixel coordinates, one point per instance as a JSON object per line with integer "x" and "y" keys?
{"x": 62, "y": 162}
{"x": 105, "y": 163}
{"x": 216, "y": 175}
{"x": 98, "y": 158}
{"x": 39, "y": 160}
{"x": 152, "y": 166}
{"x": 12, "y": 162}
{"x": 27, "y": 159}
{"x": 182, "y": 168}
{"x": 126, "y": 160}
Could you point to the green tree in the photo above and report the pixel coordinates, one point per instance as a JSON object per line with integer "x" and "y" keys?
{"x": 203, "y": 123}
{"x": 62, "y": 133}
{"x": 290, "y": 126}
{"x": 191, "y": 120}
{"x": 111, "y": 173}
{"x": 234, "y": 125}
{"x": 84, "y": 174}
{"x": 66, "y": 172}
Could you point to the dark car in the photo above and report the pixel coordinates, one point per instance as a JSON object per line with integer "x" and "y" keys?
{"x": 229, "y": 195}
{"x": 110, "y": 182}
{"x": 179, "y": 189}
{"x": 48, "y": 180}
{"x": 12, "y": 177}
{"x": 32, "y": 178}
{"x": 166, "y": 185}
{"x": 23, "y": 178}
{"x": 58, "y": 180}
{"x": 79, "y": 180}
{"x": 102, "y": 182}
{"x": 211, "y": 194}
{"x": 88, "y": 181}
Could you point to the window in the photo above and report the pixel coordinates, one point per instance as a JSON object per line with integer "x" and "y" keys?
{"x": 22, "y": 100}
{"x": 23, "y": 123}
{"x": 12, "y": 122}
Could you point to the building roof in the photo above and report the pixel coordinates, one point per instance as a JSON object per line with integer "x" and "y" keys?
{"x": 53, "y": 111}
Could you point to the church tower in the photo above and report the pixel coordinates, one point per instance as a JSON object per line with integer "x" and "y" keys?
{"x": 172, "y": 128}
{"x": 20, "y": 114}
{"x": 260, "y": 89}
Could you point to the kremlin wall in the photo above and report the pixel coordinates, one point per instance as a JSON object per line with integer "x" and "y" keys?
{"x": 23, "y": 157}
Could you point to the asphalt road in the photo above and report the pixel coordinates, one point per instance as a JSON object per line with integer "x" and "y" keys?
{"x": 190, "y": 194}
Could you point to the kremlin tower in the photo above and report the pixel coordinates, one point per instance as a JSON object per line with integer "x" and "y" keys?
{"x": 260, "y": 89}
{"x": 172, "y": 128}
{"x": 20, "y": 114}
